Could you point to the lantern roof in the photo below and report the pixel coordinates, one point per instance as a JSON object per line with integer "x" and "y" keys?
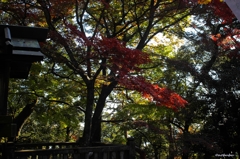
{"x": 25, "y": 32}
{"x": 19, "y": 48}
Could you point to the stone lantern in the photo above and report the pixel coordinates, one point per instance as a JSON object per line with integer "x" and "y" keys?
{"x": 19, "y": 48}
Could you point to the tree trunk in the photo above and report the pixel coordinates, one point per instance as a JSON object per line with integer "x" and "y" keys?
{"x": 96, "y": 120}
{"x": 22, "y": 117}
{"x": 97, "y": 130}
{"x": 185, "y": 155}
{"x": 156, "y": 153}
{"x": 171, "y": 151}
{"x": 186, "y": 143}
{"x": 88, "y": 114}
{"x": 67, "y": 138}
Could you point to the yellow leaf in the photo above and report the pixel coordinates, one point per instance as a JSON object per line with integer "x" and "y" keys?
{"x": 204, "y": 1}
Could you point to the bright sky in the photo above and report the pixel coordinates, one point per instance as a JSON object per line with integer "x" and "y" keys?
{"x": 235, "y": 7}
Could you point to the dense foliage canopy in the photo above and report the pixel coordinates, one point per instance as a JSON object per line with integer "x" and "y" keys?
{"x": 164, "y": 72}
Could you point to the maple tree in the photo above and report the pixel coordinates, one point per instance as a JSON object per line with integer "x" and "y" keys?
{"x": 101, "y": 42}
{"x": 117, "y": 65}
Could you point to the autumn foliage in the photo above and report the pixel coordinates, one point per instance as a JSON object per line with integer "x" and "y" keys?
{"x": 124, "y": 61}
{"x": 227, "y": 32}
{"x": 120, "y": 63}
{"x": 154, "y": 93}
{"x": 227, "y": 41}
{"x": 99, "y": 44}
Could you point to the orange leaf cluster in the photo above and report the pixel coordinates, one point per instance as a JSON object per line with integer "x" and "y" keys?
{"x": 121, "y": 60}
{"x": 228, "y": 42}
{"x": 160, "y": 96}
{"x": 204, "y": 1}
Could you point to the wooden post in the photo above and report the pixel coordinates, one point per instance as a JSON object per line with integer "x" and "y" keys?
{"x": 4, "y": 90}
{"x": 5, "y": 72}
{"x": 131, "y": 144}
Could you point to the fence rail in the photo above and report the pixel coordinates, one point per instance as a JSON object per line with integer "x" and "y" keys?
{"x": 68, "y": 151}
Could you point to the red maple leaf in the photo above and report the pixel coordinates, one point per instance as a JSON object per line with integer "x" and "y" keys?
{"x": 158, "y": 95}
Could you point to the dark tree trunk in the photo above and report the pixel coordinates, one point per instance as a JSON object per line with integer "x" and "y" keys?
{"x": 185, "y": 155}
{"x": 156, "y": 153}
{"x": 171, "y": 151}
{"x": 96, "y": 120}
{"x": 67, "y": 138}
{"x": 186, "y": 142}
{"x": 97, "y": 133}
{"x": 88, "y": 114}
{"x": 22, "y": 117}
